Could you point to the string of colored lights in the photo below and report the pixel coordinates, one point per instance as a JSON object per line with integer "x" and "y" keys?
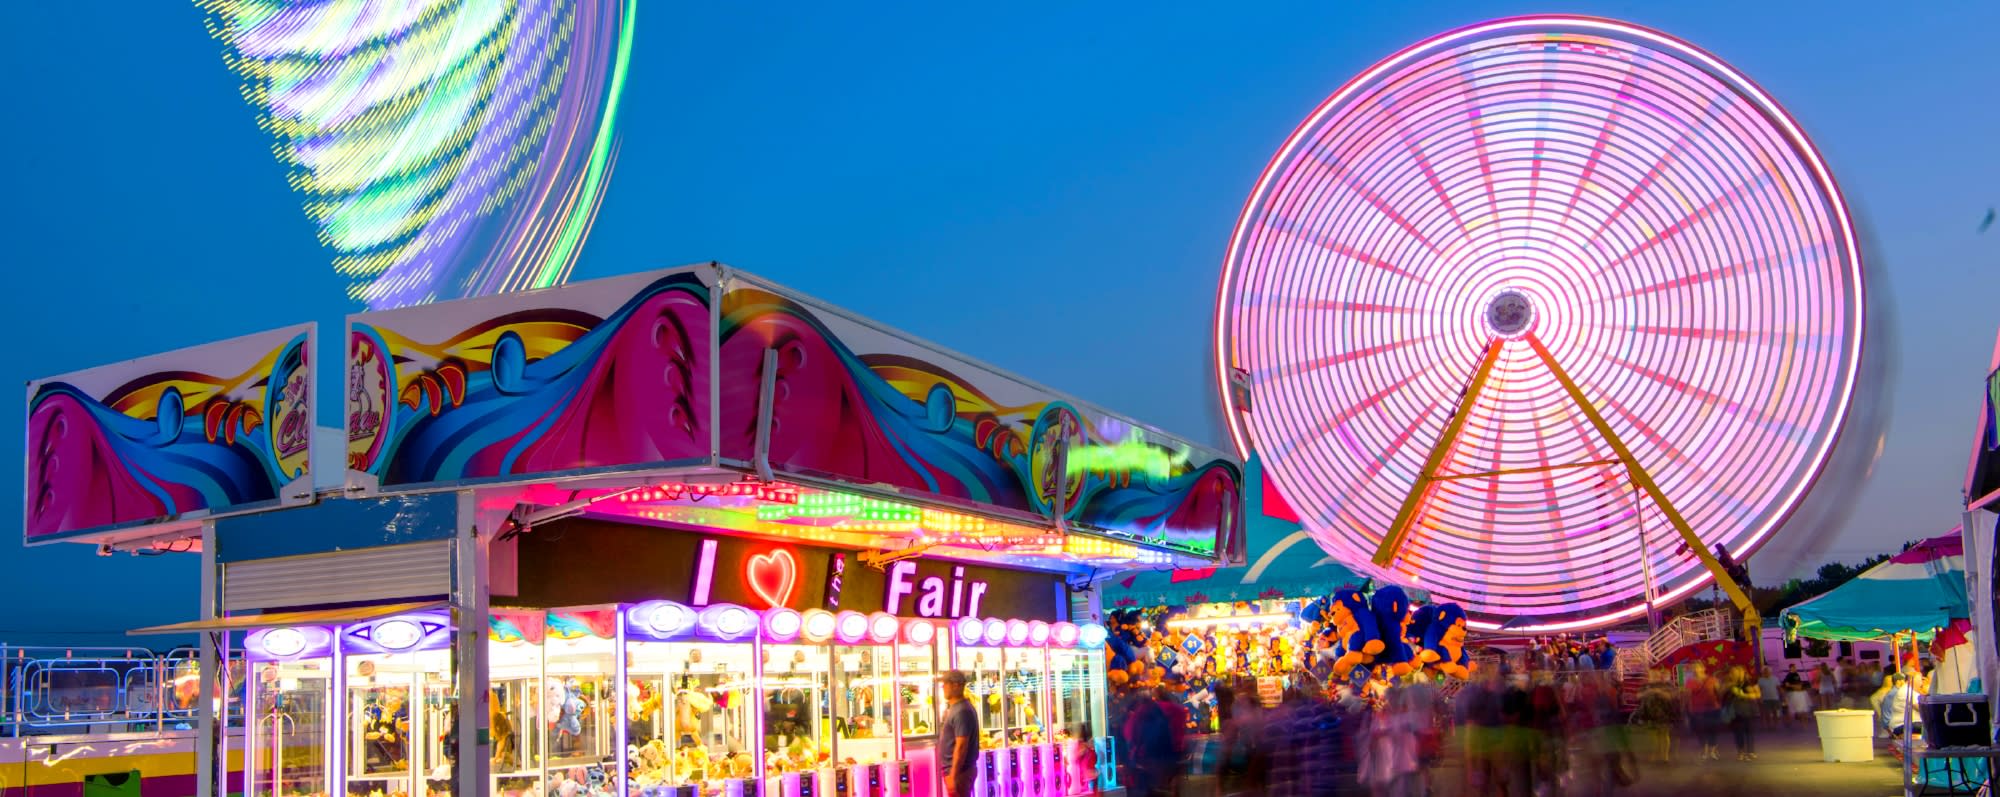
{"x": 445, "y": 149}
{"x": 1635, "y": 204}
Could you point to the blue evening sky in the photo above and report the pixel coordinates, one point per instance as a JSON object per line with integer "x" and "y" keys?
{"x": 1047, "y": 187}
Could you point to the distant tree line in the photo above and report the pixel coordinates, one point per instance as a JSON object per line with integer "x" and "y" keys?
{"x": 1771, "y": 600}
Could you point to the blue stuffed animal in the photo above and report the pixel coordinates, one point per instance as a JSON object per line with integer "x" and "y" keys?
{"x": 1421, "y": 621}
{"x": 1444, "y": 641}
{"x": 1355, "y": 628}
{"x": 1392, "y": 620}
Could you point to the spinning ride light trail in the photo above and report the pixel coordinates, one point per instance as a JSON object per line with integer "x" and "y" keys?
{"x": 1504, "y": 208}
{"x": 445, "y": 149}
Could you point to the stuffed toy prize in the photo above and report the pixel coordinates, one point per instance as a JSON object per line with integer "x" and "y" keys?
{"x": 1356, "y": 630}
{"x": 1392, "y": 619}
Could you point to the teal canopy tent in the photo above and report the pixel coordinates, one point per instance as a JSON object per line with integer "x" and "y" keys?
{"x": 1283, "y": 562}
{"x": 1919, "y": 590}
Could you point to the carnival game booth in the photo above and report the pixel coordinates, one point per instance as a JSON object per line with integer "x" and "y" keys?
{"x": 679, "y": 532}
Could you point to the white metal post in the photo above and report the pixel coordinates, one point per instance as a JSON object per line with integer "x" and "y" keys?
{"x": 469, "y": 609}
{"x": 210, "y": 753}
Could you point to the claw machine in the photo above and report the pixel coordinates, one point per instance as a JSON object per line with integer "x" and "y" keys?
{"x": 580, "y": 694}
{"x": 514, "y": 661}
{"x": 796, "y": 675}
{"x": 865, "y": 739}
{"x": 1077, "y": 715}
{"x": 1024, "y": 708}
{"x": 979, "y": 653}
{"x": 396, "y": 706}
{"x": 918, "y": 706}
{"x": 290, "y": 737}
{"x": 691, "y": 725}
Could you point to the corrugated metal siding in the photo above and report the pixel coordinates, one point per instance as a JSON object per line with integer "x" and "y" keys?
{"x": 414, "y": 570}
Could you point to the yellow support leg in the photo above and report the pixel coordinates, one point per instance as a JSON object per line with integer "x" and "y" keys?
{"x": 1428, "y": 477}
{"x": 1645, "y": 482}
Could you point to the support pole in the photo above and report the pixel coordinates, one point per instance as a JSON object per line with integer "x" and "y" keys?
{"x": 1440, "y": 451}
{"x": 471, "y": 536}
{"x": 211, "y": 752}
{"x": 1645, "y": 559}
{"x": 1645, "y": 482}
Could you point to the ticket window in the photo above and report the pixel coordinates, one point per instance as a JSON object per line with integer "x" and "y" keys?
{"x": 797, "y": 729}
{"x": 691, "y": 716}
{"x": 580, "y": 702}
{"x": 864, "y": 703}
{"x": 514, "y": 716}
{"x": 398, "y": 684}
{"x": 290, "y": 711}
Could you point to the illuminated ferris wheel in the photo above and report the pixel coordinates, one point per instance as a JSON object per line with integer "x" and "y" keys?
{"x": 1524, "y": 309}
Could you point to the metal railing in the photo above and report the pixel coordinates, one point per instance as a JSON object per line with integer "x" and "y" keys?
{"x": 64, "y": 691}
{"x": 1704, "y": 626}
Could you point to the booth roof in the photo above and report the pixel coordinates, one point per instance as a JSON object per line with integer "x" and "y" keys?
{"x": 1284, "y": 562}
{"x": 1921, "y": 589}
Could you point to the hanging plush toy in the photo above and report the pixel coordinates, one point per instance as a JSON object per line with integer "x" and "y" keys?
{"x": 567, "y": 698}
{"x": 1355, "y": 627}
{"x": 1392, "y": 618}
{"x": 1445, "y": 640}
{"x": 1421, "y": 621}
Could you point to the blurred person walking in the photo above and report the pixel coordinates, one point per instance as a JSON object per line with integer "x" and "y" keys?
{"x": 1704, "y": 710}
{"x": 1744, "y": 699}
{"x": 1658, "y": 715}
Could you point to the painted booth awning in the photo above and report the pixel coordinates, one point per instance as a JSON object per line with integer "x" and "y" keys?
{"x": 1921, "y": 589}
{"x": 1283, "y": 561}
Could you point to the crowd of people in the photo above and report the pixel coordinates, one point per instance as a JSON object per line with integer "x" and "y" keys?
{"x": 1523, "y": 731}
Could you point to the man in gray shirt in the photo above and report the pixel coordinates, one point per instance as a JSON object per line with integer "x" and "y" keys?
{"x": 958, "y": 737}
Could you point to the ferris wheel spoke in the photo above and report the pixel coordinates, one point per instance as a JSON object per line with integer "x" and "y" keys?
{"x": 1422, "y": 160}
{"x": 1645, "y": 182}
{"x": 1304, "y": 304}
{"x": 1476, "y": 125}
{"x": 1329, "y": 361}
{"x": 1335, "y": 421}
{"x": 1311, "y": 236}
{"x": 1612, "y": 116}
{"x": 1812, "y": 253}
{"x": 1705, "y": 212}
{"x": 1347, "y": 180}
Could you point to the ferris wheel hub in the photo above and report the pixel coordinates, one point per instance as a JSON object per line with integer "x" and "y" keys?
{"x": 1510, "y": 313}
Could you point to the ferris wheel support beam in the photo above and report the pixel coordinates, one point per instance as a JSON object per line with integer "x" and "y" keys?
{"x": 1428, "y": 478}
{"x": 1646, "y": 483}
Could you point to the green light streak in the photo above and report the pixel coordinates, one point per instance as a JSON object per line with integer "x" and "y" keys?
{"x": 551, "y": 272}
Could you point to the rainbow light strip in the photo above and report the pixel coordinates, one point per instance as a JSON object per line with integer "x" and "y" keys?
{"x": 1691, "y": 262}
{"x": 445, "y": 149}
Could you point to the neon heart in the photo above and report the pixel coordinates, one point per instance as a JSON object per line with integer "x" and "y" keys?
{"x": 772, "y": 575}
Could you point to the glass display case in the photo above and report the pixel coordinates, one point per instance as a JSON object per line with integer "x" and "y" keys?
{"x": 1077, "y": 715}
{"x": 797, "y": 731}
{"x": 864, "y": 690}
{"x": 513, "y": 713}
{"x": 690, "y": 698}
{"x": 1025, "y": 688}
{"x": 290, "y": 729}
{"x": 982, "y": 660}
{"x": 918, "y": 704}
{"x": 580, "y": 699}
{"x": 397, "y": 680}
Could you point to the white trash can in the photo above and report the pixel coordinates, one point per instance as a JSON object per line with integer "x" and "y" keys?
{"x": 1846, "y": 735}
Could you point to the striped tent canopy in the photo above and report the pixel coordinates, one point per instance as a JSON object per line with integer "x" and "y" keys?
{"x": 1284, "y": 562}
{"x": 1919, "y": 590}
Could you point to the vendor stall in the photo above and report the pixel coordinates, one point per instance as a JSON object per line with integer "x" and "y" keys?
{"x": 680, "y": 532}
